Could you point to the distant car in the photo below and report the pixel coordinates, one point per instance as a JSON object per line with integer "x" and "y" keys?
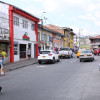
{"x": 65, "y": 52}
{"x": 48, "y": 56}
{"x": 86, "y": 55}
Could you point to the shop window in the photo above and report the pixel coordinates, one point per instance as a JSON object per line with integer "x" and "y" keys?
{"x": 48, "y": 38}
{"x": 45, "y": 37}
{"x": 15, "y": 49}
{"x": 33, "y": 27}
{"x": 5, "y": 48}
{"x": 25, "y": 24}
{"x": 16, "y": 21}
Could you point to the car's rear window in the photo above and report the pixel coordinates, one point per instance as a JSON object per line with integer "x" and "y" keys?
{"x": 86, "y": 51}
{"x": 44, "y": 52}
{"x": 66, "y": 49}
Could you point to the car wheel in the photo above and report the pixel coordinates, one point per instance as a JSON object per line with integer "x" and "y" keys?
{"x": 53, "y": 61}
{"x": 69, "y": 56}
{"x": 80, "y": 60}
{"x": 39, "y": 62}
{"x": 91, "y": 60}
{"x": 58, "y": 59}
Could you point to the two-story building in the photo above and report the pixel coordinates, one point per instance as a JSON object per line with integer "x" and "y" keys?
{"x": 95, "y": 42}
{"x": 48, "y": 39}
{"x": 45, "y": 38}
{"x": 22, "y": 30}
{"x": 69, "y": 37}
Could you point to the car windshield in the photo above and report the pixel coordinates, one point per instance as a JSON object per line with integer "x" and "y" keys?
{"x": 65, "y": 49}
{"x": 86, "y": 51}
{"x": 44, "y": 52}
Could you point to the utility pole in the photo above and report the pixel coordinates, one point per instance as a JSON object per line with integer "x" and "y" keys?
{"x": 42, "y": 18}
{"x": 79, "y": 36}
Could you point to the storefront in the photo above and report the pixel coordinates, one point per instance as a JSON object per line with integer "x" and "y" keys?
{"x": 23, "y": 34}
{"x": 5, "y": 43}
{"x": 22, "y": 45}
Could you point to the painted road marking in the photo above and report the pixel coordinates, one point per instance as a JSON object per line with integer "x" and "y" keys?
{"x": 41, "y": 66}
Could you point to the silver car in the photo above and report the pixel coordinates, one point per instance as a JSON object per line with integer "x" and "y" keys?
{"x": 86, "y": 55}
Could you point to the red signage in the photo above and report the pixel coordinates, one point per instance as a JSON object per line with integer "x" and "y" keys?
{"x": 25, "y": 36}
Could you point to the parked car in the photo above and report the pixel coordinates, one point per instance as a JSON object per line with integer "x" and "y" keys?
{"x": 86, "y": 55}
{"x": 48, "y": 56}
{"x": 97, "y": 51}
{"x": 65, "y": 52}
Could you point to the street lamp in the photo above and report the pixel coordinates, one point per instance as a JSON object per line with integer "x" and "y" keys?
{"x": 79, "y": 36}
{"x": 42, "y": 18}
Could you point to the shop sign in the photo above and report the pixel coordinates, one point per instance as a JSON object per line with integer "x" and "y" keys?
{"x": 51, "y": 39}
{"x": 25, "y": 36}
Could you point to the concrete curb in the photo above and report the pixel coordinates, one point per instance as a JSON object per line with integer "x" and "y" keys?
{"x": 11, "y": 69}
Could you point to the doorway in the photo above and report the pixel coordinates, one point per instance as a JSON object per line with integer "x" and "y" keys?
{"x": 34, "y": 50}
{"x": 22, "y": 50}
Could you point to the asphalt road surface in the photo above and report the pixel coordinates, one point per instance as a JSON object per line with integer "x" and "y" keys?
{"x": 68, "y": 79}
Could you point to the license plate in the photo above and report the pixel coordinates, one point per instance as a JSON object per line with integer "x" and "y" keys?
{"x": 63, "y": 55}
{"x": 43, "y": 56}
{"x": 85, "y": 55}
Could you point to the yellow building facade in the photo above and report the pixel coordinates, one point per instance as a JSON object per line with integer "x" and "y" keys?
{"x": 69, "y": 38}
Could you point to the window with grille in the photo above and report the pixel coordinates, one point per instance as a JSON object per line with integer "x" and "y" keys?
{"x": 25, "y": 24}
{"x": 33, "y": 27}
{"x": 16, "y": 21}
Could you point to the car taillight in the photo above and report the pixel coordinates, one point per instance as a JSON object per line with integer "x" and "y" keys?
{"x": 50, "y": 54}
{"x": 90, "y": 55}
{"x": 38, "y": 54}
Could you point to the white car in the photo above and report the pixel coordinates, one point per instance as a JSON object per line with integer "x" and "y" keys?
{"x": 86, "y": 55}
{"x": 65, "y": 52}
{"x": 48, "y": 55}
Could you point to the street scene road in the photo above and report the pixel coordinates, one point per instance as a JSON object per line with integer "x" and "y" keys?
{"x": 68, "y": 79}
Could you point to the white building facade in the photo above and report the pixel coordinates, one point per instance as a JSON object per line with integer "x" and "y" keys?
{"x": 23, "y": 32}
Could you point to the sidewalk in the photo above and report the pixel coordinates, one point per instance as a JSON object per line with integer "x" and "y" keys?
{"x": 19, "y": 64}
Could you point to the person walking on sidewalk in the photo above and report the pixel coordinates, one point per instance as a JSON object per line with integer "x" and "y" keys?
{"x": 3, "y": 53}
{"x": 0, "y": 75}
{"x": 29, "y": 53}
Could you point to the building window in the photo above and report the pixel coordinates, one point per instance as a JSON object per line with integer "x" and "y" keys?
{"x": 33, "y": 27}
{"x": 15, "y": 49}
{"x": 48, "y": 38}
{"x": 25, "y": 24}
{"x": 16, "y": 21}
{"x": 38, "y": 36}
{"x": 45, "y": 37}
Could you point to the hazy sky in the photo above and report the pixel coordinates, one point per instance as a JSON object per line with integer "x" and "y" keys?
{"x": 76, "y": 14}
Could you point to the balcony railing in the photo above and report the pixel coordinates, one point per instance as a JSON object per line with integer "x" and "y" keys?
{"x": 4, "y": 34}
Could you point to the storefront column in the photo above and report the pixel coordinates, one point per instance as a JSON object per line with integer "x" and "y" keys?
{"x": 11, "y": 34}
{"x": 36, "y": 32}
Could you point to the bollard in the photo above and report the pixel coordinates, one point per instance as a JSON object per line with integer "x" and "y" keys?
{"x": 99, "y": 67}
